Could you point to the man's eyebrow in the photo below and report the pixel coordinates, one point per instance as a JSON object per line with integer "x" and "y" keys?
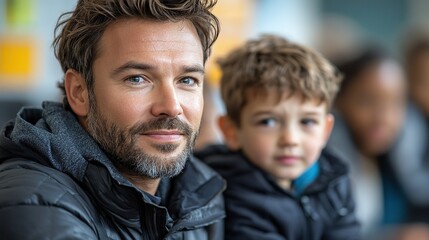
{"x": 132, "y": 65}
{"x": 143, "y": 66}
{"x": 193, "y": 68}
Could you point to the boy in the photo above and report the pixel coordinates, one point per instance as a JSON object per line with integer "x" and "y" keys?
{"x": 277, "y": 96}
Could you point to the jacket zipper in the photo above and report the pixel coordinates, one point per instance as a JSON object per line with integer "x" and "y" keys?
{"x": 309, "y": 218}
{"x": 150, "y": 222}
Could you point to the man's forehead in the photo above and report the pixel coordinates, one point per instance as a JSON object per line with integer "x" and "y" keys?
{"x": 132, "y": 38}
{"x": 149, "y": 31}
{"x": 156, "y": 45}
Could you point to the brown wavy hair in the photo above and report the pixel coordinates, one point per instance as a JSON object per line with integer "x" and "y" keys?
{"x": 78, "y": 32}
{"x": 274, "y": 62}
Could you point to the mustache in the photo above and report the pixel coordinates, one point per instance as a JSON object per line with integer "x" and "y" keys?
{"x": 162, "y": 123}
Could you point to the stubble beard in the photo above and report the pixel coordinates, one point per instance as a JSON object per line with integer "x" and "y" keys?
{"x": 121, "y": 145}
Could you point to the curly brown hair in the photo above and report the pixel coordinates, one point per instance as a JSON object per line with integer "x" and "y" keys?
{"x": 274, "y": 62}
{"x": 78, "y": 32}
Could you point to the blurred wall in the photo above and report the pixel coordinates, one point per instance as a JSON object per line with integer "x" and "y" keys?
{"x": 26, "y": 34}
{"x": 38, "y": 30}
{"x": 382, "y": 20}
{"x": 294, "y": 19}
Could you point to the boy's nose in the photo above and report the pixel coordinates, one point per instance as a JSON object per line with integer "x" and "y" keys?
{"x": 166, "y": 102}
{"x": 289, "y": 136}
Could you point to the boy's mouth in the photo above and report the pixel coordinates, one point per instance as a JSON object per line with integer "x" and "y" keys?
{"x": 288, "y": 159}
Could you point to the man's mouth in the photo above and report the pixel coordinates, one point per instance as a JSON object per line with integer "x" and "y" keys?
{"x": 164, "y": 135}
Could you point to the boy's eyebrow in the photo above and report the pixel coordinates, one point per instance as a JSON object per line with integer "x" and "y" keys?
{"x": 262, "y": 112}
{"x": 312, "y": 112}
{"x": 144, "y": 66}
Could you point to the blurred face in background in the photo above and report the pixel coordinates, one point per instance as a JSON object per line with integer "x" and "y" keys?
{"x": 373, "y": 106}
{"x": 418, "y": 74}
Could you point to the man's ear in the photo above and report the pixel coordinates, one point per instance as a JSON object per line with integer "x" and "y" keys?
{"x": 230, "y": 132}
{"x": 329, "y": 125}
{"x": 76, "y": 92}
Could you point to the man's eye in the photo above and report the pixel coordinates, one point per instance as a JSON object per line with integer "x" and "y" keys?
{"x": 188, "y": 81}
{"x": 136, "y": 79}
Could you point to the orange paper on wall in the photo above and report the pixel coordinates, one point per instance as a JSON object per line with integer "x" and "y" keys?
{"x": 18, "y": 58}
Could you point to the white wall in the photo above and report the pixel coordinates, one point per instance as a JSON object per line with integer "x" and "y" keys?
{"x": 294, "y": 19}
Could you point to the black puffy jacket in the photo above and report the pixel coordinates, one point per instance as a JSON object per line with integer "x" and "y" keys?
{"x": 56, "y": 183}
{"x": 257, "y": 208}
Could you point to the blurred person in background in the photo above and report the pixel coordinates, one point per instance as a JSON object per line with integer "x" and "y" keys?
{"x": 416, "y": 62}
{"x": 414, "y": 142}
{"x": 370, "y": 112}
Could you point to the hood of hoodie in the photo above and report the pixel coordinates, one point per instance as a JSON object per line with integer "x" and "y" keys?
{"x": 53, "y": 137}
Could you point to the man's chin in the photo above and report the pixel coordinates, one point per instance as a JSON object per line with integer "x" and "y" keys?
{"x": 155, "y": 165}
{"x": 164, "y": 150}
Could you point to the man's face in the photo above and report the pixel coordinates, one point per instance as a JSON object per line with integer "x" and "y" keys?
{"x": 147, "y": 96}
{"x": 283, "y": 137}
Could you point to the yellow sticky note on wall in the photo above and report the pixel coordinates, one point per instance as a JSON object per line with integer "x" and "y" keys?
{"x": 18, "y": 58}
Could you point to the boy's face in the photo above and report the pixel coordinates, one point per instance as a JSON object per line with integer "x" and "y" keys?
{"x": 283, "y": 137}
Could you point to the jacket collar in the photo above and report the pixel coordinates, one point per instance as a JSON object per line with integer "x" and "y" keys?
{"x": 307, "y": 178}
{"x": 331, "y": 168}
{"x": 233, "y": 164}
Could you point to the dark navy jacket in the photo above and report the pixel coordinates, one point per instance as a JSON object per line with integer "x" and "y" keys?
{"x": 257, "y": 208}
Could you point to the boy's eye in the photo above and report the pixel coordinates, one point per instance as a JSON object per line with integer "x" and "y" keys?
{"x": 269, "y": 122}
{"x": 309, "y": 122}
{"x": 188, "y": 81}
{"x": 136, "y": 79}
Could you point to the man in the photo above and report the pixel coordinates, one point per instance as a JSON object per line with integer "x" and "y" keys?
{"x": 113, "y": 162}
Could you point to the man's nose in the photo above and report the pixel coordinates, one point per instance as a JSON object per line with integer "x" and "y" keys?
{"x": 166, "y": 101}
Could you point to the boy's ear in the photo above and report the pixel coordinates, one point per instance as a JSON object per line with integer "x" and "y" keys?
{"x": 230, "y": 132}
{"x": 76, "y": 92}
{"x": 330, "y": 120}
